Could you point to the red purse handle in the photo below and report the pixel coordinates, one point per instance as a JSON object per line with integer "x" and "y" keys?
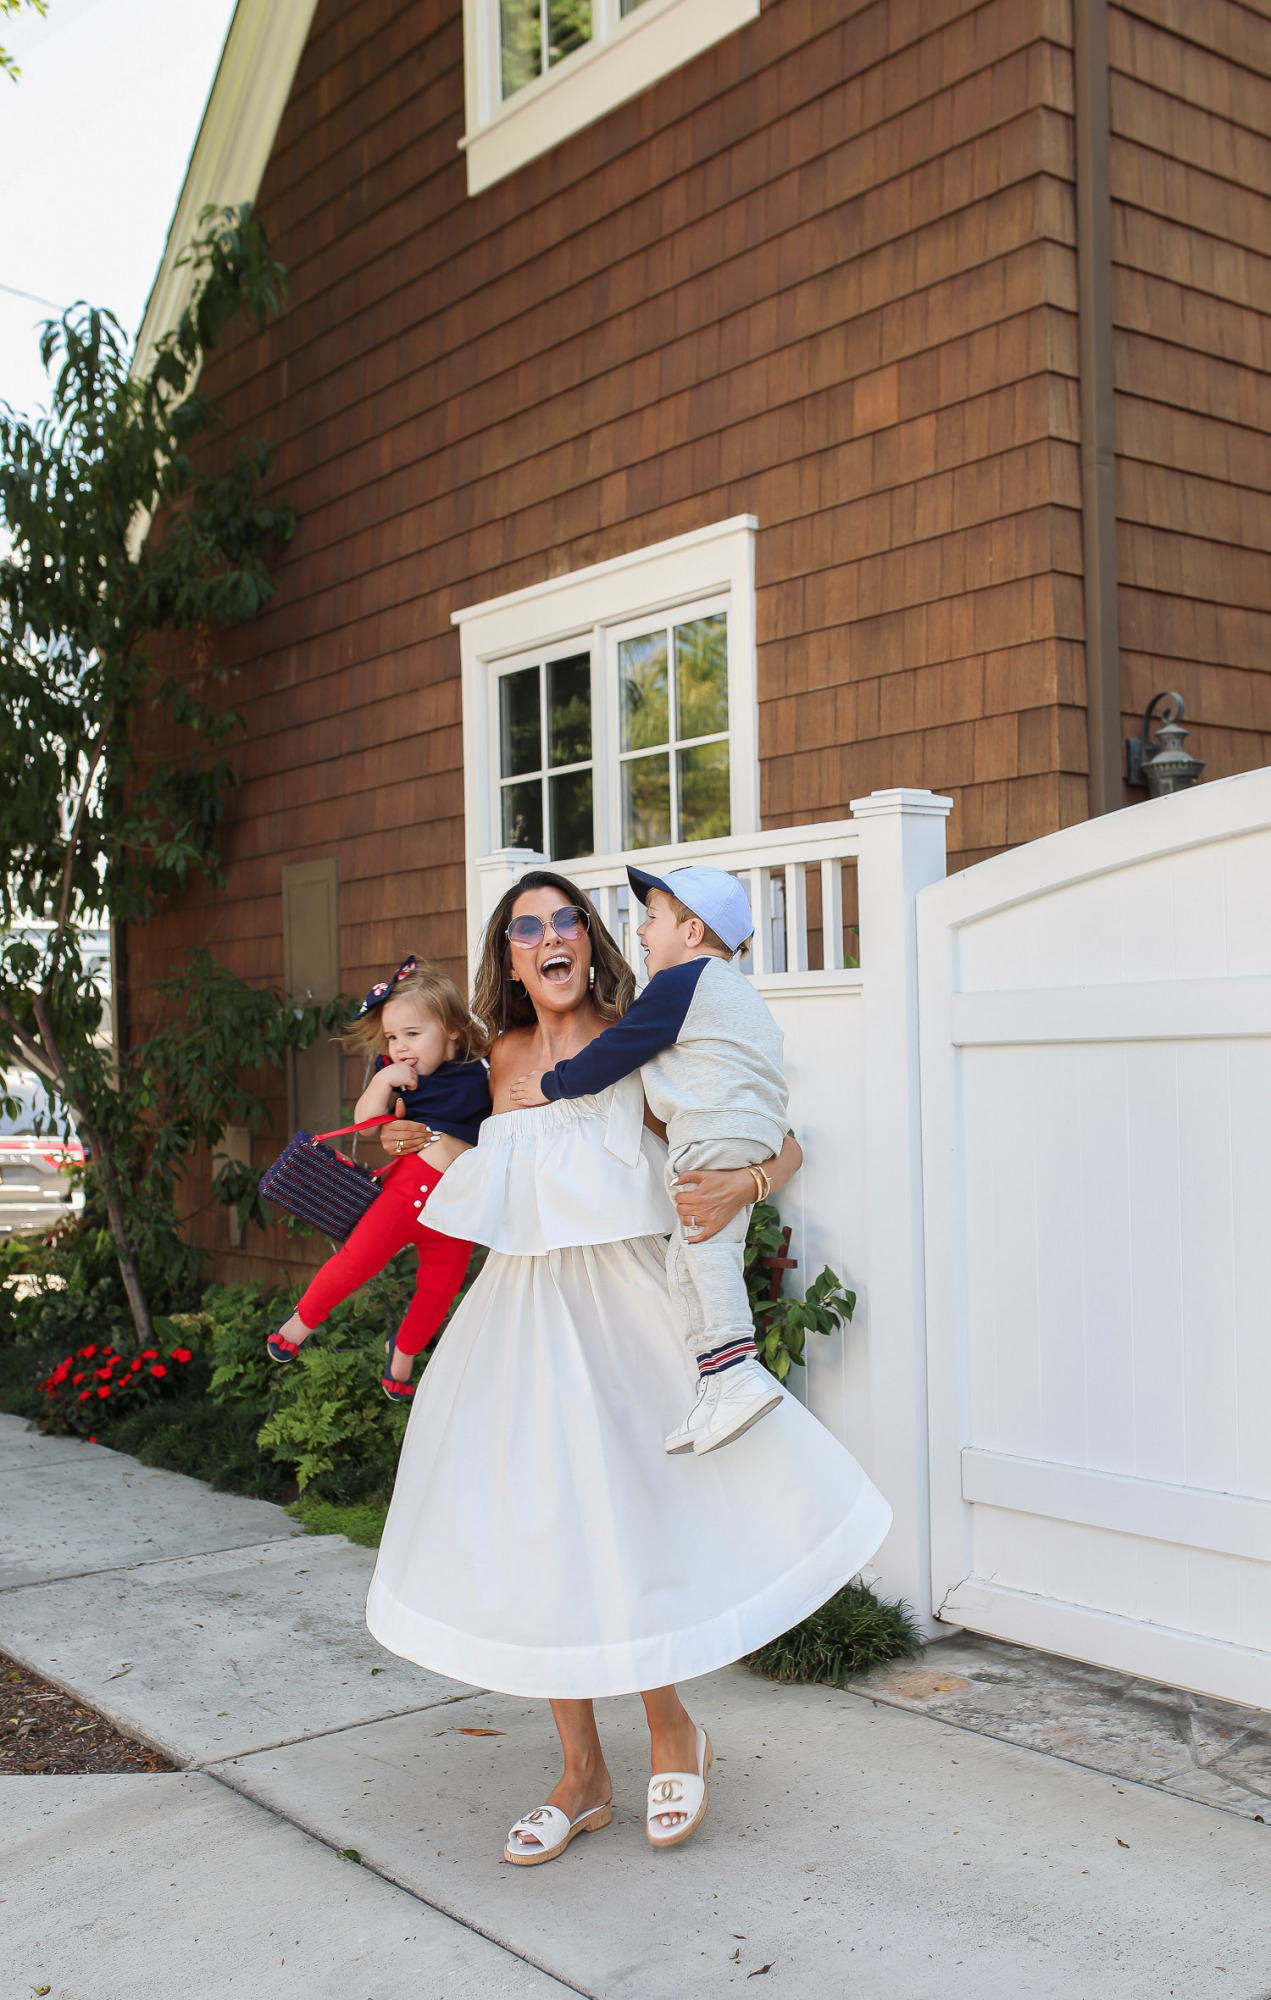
{"x": 364, "y": 1125}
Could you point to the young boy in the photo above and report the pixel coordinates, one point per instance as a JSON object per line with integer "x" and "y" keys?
{"x": 709, "y": 1056}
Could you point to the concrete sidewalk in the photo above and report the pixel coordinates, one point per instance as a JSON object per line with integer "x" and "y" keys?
{"x": 852, "y": 1848}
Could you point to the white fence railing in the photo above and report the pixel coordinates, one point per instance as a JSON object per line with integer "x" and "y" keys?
{"x": 775, "y": 868}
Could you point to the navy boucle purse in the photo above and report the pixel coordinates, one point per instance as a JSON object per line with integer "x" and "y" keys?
{"x": 313, "y": 1182}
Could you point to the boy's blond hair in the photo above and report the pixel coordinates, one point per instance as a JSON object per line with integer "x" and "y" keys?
{"x": 684, "y": 915}
{"x": 443, "y": 1000}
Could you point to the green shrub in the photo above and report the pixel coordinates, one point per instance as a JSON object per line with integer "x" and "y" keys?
{"x": 851, "y": 1633}
{"x": 206, "y": 1440}
{"x": 328, "y": 1422}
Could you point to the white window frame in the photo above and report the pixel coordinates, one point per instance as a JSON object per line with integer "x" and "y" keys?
{"x": 615, "y": 756}
{"x": 711, "y": 569}
{"x": 541, "y": 658}
{"x": 623, "y": 58}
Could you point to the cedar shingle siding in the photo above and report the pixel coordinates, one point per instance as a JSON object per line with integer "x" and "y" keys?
{"x": 824, "y": 274}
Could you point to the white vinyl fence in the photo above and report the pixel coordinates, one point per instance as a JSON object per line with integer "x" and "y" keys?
{"x": 1096, "y": 1091}
{"x": 1054, "y": 1204}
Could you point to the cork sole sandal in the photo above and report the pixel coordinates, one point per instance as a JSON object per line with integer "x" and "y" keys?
{"x": 548, "y": 1825}
{"x": 680, "y": 1791}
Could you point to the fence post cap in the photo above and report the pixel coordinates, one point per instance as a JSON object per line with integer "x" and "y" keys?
{"x": 902, "y": 799}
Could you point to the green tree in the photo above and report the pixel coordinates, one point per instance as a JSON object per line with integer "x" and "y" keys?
{"x": 15, "y": 7}
{"x": 87, "y": 833}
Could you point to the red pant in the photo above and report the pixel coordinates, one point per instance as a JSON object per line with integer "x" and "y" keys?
{"x": 389, "y": 1224}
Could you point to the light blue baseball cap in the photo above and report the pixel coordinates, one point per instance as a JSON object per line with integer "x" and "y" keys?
{"x": 718, "y": 899}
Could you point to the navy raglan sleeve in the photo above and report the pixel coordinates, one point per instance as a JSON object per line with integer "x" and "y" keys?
{"x": 651, "y": 1023}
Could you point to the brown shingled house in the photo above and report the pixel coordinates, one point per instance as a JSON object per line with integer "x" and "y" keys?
{"x": 792, "y": 398}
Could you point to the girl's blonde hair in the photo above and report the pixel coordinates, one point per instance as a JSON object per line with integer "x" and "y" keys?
{"x": 502, "y": 1002}
{"x": 443, "y": 1000}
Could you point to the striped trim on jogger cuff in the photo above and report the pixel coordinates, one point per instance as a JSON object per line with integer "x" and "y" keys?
{"x": 719, "y": 1358}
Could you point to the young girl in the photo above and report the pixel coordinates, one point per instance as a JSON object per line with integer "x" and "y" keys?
{"x": 427, "y": 1051}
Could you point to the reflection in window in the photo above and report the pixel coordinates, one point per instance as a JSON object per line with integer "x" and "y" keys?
{"x": 673, "y": 734}
{"x": 548, "y": 704}
{"x": 535, "y": 34}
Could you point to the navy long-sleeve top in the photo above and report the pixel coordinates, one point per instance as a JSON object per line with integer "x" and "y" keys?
{"x": 454, "y": 1099}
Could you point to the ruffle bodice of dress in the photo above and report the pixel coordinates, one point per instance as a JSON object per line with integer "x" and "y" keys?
{"x": 559, "y": 1176}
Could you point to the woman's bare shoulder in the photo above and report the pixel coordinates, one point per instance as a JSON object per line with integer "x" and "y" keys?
{"x": 509, "y": 1053}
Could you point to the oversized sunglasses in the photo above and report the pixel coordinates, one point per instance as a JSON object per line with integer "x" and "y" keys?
{"x": 569, "y": 922}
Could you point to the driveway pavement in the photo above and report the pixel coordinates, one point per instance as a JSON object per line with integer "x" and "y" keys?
{"x": 338, "y": 1823}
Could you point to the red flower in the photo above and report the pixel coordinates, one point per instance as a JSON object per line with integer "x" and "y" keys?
{"x": 181, "y": 1354}
{"x": 102, "y": 1374}
{"x": 77, "y": 1379}
{"x": 103, "y": 1392}
{"x": 87, "y": 1353}
{"x": 157, "y": 1369}
{"x": 135, "y": 1369}
{"x": 92, "y": 1440}
{"x": 83, "y": 1395}
{"x": 150, "y": 1354}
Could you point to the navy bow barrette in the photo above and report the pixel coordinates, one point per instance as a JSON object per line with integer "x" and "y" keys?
{"x": 382, "y": 989}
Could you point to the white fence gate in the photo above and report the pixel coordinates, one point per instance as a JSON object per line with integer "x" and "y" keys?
{"x": 1096, "y": 1131}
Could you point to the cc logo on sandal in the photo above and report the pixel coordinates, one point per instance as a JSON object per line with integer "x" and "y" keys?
{"x": 668, "y": 1793}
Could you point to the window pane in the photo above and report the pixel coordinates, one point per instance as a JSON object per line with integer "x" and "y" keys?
{"x": 629, "y": 6}
{"x": 520, "y": 43}
{"x": 646, "y": 802}
{"x": 569, "y": 713}
{"x": 642, "y": 693}
{"x": 568, "y": 27}
{"x": 570, "y": 802}
{"x": 523, "y": 815}
{"x": 520, "y": 731}
{"x": 701, "y": 676}
{"x": 703, "y": 777}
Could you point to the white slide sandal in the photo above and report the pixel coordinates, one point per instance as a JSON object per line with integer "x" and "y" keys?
{"x": 549, "y": 1827}
{"x": 680, "y": 1791}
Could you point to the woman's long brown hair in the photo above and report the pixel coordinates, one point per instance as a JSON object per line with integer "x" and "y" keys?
{"x": 501, "y": 1003}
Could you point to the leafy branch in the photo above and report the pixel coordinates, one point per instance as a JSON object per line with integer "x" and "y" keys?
{"x": 782, "y": 1325}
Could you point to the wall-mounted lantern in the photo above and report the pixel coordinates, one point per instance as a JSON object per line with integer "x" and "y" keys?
{"x": 1160, "y": 762}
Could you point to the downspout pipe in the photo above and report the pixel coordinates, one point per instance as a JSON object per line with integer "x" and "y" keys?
{"x": 1098, "y": 404}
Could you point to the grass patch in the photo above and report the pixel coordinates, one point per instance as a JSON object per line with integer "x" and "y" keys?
{"x": 852, "y": 1633}
{"x": 363, "y": 1522}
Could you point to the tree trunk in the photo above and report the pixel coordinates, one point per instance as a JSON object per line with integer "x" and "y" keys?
{"x": 129, "y": 1270}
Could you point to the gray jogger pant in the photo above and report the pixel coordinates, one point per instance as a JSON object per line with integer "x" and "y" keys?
{"x": 707, "y": 1280}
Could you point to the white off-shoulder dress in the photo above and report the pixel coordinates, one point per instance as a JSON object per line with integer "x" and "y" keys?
{"x": 540, "y": 1540}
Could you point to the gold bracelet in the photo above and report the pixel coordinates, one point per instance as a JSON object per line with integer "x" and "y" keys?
{"x": 763, "y": 1186}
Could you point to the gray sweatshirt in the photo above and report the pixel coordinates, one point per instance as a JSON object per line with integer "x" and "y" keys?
{"x": 708, "y": 1052}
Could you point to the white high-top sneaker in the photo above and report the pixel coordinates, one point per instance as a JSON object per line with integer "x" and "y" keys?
{"x": 742, "y": 1394}
{"x": 682, "y": 1439}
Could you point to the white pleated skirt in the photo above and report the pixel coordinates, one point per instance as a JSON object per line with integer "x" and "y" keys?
{"x": 540, "y": 1540}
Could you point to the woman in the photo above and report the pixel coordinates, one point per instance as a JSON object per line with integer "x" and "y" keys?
{"x": 541, "y": 1541}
